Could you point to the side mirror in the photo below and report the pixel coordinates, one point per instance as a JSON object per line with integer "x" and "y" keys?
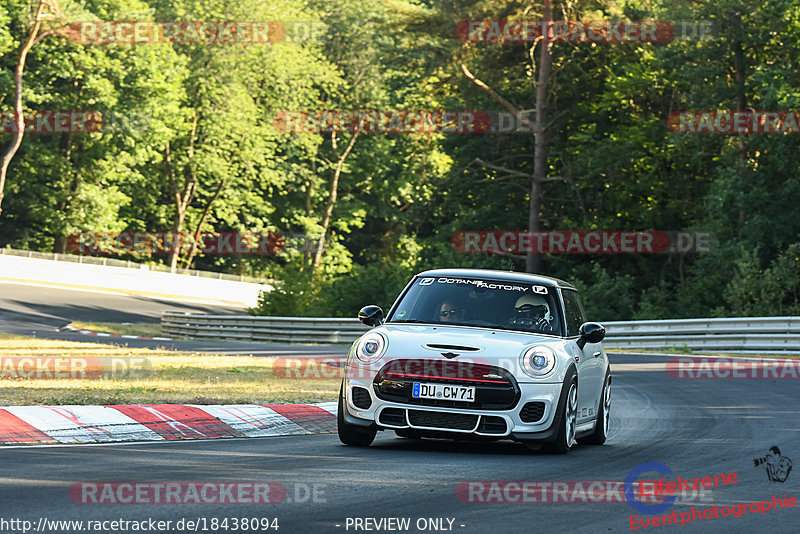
{"x": 371, "y": 315}
{"x": 591, "y": 333}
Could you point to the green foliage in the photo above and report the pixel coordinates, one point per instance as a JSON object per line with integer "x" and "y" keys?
{"x": 366, "y": 285}
{"x": 606, "y": 297}
{"x": 335, "y": 295}
{"x": 401, "y": 198}
{"x": 771, "y": 291}
{"x": 291, "y": 296}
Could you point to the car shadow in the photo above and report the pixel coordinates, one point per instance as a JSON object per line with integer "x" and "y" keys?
{"x": 443, "y": 445}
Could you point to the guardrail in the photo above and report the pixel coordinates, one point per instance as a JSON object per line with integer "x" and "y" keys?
{"x": 737, "y": 334}
{"x": 104, "y": 274}
{"x": 250, "y": 328}
{"x": 741, "y": 334}
{"x": 111, "y": 262}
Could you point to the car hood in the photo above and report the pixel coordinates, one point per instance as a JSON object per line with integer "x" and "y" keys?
{"x": 502, "y": 348}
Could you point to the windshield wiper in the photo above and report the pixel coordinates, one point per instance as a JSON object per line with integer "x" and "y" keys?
{"x": 408, "y": 321}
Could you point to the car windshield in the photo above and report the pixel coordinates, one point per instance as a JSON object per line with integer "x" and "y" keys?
{"x": 498, "y": 304}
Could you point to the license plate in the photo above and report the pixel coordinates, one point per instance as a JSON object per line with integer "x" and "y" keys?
{"x": 443, "y": 392}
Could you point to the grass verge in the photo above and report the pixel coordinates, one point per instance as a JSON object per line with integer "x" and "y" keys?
{"x": 125, "y": 329}
{"x": 28, "y": 377}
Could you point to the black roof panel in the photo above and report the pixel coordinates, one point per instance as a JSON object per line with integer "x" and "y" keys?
{"x": 506, "y": 276}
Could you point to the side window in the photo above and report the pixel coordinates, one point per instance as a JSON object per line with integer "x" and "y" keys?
{"x": 573, "y": 311}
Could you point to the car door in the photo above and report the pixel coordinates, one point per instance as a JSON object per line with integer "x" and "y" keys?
{"x": 591, "y": 359}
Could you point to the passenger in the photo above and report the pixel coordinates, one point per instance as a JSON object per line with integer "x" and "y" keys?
{"x": 530, "y": 313}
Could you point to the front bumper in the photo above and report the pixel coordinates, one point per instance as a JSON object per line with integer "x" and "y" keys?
{"x": 456, "y": 422}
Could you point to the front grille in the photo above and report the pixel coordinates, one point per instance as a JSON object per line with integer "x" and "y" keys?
{"x": 532, "y": 412}
{"x": 361, "y": 398}
{"x": 393, "y": 417}
{"x": 495, "y": 388}
{"x": 491, "y": 424}
{"x": 454, "y": 421}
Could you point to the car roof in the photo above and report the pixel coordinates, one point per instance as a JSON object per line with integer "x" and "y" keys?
{"x": 506, "y": 276}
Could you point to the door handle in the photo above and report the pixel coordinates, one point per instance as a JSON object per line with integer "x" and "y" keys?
{"x": 596, "y": 354}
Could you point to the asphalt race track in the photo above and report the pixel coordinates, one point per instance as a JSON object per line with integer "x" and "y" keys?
{"x": 38, "y": 311}
{"x": 697, "y": 428}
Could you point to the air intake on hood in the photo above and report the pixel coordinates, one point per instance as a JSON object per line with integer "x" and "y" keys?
{"x": 452, "y": 347}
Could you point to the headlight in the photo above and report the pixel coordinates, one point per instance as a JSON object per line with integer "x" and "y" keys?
{"x": 370, "y": 347}
{"x": 538, "y": 361}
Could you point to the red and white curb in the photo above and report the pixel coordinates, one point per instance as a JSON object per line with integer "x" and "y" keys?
{"x": 157, "y": 422}
{"x": 71, "y": 328}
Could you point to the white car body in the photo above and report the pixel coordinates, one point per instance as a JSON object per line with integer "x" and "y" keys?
{"x": 490, "y": 359}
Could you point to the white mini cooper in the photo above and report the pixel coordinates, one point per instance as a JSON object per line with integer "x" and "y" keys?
{"x": 476, "y": 354}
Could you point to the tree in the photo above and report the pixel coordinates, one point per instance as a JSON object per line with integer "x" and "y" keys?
{"x": 45, "y": 8}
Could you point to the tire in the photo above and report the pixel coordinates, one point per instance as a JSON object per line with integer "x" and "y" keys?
{"x": 566, "y": 418}
{"x": 600, "y": 434}
{"x": 353, "y": 435}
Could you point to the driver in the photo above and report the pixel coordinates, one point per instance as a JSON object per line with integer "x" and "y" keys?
{"x": 530, "y": 313}
{"x": 451, "y": 312}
